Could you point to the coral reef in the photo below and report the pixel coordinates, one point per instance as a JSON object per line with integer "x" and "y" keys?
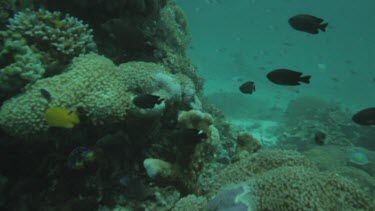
{"x": 93, "y": 83}
{"x": 246, "y": 145}
{"x": 156, "y": 168}
{"x": 298, "y": 187}
{"x": 257, "y": 163}
{"x": 75, "y": 136}
{"x": 38, "y": 44}
{"x": 191, "y": 202}
{"x": 51, "y": 30}
{"x": 19, "y": 63}
{"x": 307, "y": 115}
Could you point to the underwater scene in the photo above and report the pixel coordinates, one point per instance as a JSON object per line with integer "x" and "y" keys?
{"x": 187, "y": 105}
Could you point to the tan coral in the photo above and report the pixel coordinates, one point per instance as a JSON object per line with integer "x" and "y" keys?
{"x": 195, "y": 119}
{"x": 257, "y": 163}
{"x": 92, "y": 83}
{"x": 301, "y": 188}
{"x": 191, "y": 202}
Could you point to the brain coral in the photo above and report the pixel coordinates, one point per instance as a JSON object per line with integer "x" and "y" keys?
{"x": 92, "y": 83}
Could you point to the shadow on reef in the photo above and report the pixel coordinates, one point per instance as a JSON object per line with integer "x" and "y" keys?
{"x": 122, "y": 29}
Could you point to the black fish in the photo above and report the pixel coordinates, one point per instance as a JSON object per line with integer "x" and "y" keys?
{"x": 320, "y": 137}
{"x": 133, "y": 187}
{"x": 307, "y": 23}
{"x": 287, "y": 77}
{"x": 248, "y": 87}
{"x": 147, "y": 101}
{"x": 365, "y": 117}
{"x": 46, "y": 94}
{"x": 193, "y": 135}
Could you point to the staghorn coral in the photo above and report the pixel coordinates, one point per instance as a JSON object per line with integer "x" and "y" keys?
{"x": 92, "y": 83}
{"x": 65, "y": 34}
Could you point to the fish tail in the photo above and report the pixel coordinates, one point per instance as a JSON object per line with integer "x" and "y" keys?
{"x": 323, "y": 26}
{"x": 305, "y": 79}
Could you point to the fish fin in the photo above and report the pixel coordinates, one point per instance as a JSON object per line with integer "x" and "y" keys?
{"x": 323, "y": 26}
{"x": 305, "y": 79}
{"x": 319, "y": 20}
{"x": 159, "y": 101}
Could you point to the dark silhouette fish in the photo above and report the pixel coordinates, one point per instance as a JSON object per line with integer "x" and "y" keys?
{"x": 287, "y": 77}
{"x": 307, "y": 23}
{"x": 193, "y": 135}
{"x": 365, "y": 117}
{"x": 46, "y": 94}
{"x": 147, "y": 100}
{"x": 320, "y": 137}
{"x": 248, "y": 87}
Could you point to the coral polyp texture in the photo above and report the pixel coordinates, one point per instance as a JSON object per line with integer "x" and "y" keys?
{"x": 64, "y": 33}
{"x": 92, "y": 83}
{"x": 301, "y": 188}
{"x": 19, "y": 63}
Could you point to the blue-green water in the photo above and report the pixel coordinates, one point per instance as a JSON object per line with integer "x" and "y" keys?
{"x": 135, "y": 105}
{"x": 247, "y": 39}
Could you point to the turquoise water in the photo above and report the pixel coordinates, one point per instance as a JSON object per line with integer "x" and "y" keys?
{"x": 246, "y": 39}
{"x": 135, "y": 105}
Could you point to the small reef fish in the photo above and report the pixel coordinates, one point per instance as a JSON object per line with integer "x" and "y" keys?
{"x": 147, "y": 100}
{"x": 46, "y": 94}
{"x": 320, "y": 137}
{"x": 193, "y": 135}
{"x": 247, "y": 87}
{"x": 61, "y": 117}
{"x": 287, "y": 77}
{"x": 307, "y": 23}
{"x": 80, "y": 157}
{"x": 365, "y": 117}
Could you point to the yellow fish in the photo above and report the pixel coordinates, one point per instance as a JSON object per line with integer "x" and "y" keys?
{"x": 61, "y": 117}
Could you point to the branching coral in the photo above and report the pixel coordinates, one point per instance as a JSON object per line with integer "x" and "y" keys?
{"x": 66, "y": 34}
{"x": 19, "y": 64}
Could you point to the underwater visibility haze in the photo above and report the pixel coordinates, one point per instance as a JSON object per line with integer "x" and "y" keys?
{"x": 187, "y": 105}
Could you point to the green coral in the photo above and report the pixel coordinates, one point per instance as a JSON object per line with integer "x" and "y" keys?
{"x": 19, "y": 64}
{"x": 64, "y": 34}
